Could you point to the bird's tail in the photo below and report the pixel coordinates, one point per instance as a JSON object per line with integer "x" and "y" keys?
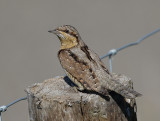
{"x": 125, "y": 91}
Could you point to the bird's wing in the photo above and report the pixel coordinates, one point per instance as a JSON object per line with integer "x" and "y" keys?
{"x": 78, "y": 69}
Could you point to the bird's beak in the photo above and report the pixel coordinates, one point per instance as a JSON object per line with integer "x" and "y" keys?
{"x": 54, "y": 31}
{"x": 58, "y": 33}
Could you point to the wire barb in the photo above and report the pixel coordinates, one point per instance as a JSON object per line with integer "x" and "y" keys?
{"x": 3, "y": 108}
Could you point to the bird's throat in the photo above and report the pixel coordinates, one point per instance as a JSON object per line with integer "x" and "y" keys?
{"x": 68, "y": 42}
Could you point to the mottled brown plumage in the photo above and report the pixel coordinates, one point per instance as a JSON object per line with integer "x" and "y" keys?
{"x": 84, "y": 67}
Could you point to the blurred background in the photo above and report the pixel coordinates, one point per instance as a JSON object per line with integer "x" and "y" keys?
{"x": 28, "y": 53}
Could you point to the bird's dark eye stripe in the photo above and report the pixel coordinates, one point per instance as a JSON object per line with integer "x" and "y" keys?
{"x": 67, "y": 31}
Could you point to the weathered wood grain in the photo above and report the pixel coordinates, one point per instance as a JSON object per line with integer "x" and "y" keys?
{"x": 55, "y": 100}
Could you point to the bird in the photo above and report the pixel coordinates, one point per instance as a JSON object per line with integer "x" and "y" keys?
{"x": 84, "y": 67}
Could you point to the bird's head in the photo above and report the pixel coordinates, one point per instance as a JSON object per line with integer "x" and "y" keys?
{"x": 68, "y": 36}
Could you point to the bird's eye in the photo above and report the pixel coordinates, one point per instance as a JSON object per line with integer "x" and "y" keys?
{"x": 67, "y": 31}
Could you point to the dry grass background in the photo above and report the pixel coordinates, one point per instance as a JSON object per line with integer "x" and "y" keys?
{"x": 28, "y": 53}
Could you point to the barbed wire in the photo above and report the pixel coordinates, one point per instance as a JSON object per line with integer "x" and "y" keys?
{"x": 115, "y": 51}
{"x": 5, "y": 107}
{"x": 111, "y": 53}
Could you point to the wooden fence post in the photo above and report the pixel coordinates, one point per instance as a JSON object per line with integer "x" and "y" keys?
{"x": 55, "y": 100}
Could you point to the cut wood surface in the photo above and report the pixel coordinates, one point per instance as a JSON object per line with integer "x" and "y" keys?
{"x": 55, "y": 100}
